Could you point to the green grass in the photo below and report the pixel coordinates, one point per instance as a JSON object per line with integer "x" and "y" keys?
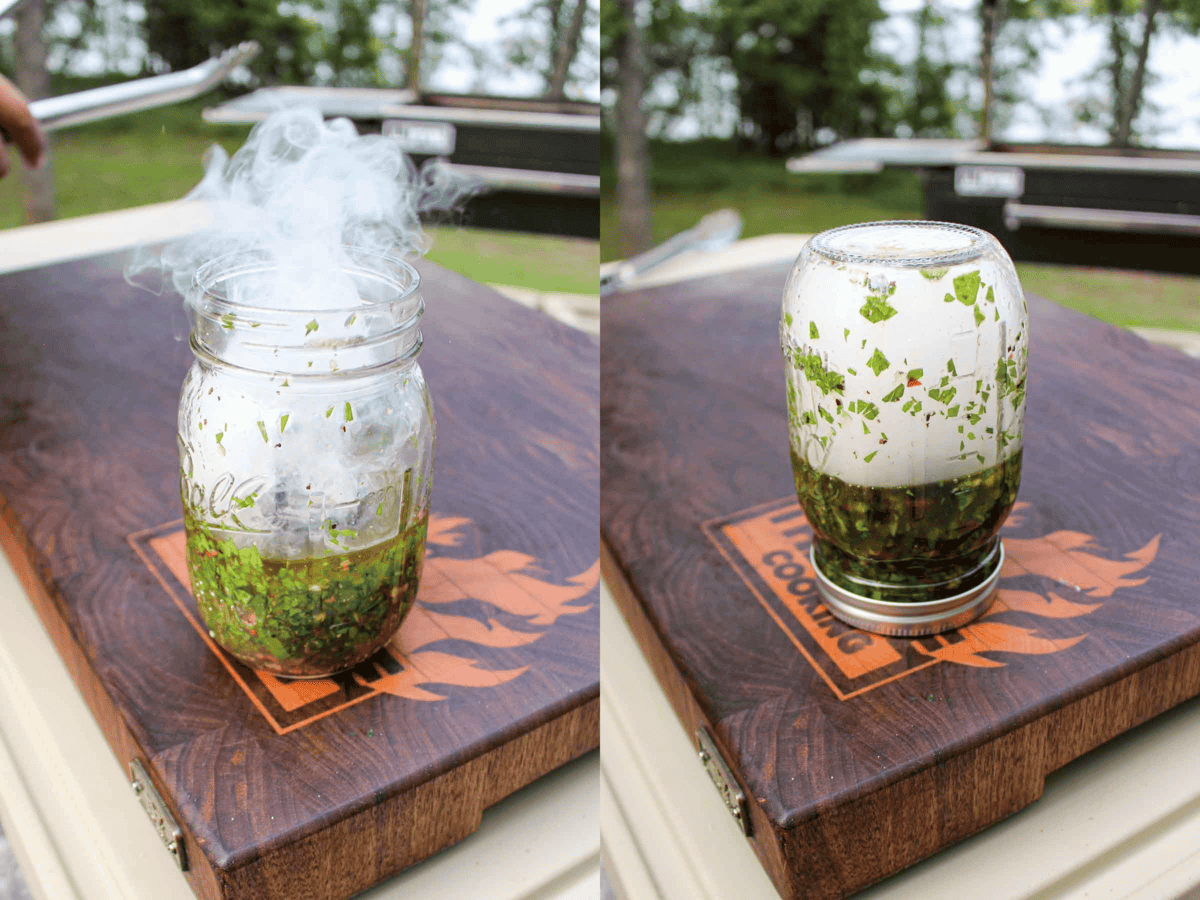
{"x": 156, "y": 155}
{"x": 690, "y": 180}
{"x": 147, "y": 157}
{"x": 1122, "y": 297}
{"x": 534, "y": 261}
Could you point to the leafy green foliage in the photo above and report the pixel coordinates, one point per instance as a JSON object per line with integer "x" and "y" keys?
{"x": 801, "y": 66}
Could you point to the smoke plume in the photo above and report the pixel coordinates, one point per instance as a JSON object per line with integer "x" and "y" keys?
{"x": 300, "y": 192}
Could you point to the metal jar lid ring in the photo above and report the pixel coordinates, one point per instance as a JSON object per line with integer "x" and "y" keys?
{"x": 908, "y": 619}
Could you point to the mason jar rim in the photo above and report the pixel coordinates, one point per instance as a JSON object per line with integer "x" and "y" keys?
{"x": 980, "y": 243}
{"x": 231, "y": 265}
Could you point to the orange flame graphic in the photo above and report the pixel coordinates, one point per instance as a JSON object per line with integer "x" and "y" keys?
{"x": 503, "y": 579}
{"x": 1067, "y": 557}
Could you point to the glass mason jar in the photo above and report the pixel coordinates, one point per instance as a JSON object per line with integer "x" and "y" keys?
{"x": 306, "y": 440}
{"x": 905, "y": 347}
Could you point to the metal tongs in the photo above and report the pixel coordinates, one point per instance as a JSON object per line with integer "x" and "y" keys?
{"x": 142, "y": 93}
{"x": 715, "y": 231}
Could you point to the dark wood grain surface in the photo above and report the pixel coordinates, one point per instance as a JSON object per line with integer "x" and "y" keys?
{"x": 861, "y": 755}
{"x": 286, "y": 790}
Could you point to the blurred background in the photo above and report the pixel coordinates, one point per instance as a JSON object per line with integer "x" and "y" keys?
{"x": 543, "y": 50}
{"x": 730, "y": 90}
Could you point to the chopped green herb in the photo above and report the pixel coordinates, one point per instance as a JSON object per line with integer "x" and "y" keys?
{"x": 262, "y": 429}
{"x": 870, "y": 456}
{"x": 952, "y": 412}
{"x": 912, "y": 542}
{"x": 950, "y": 367}
{"x": 878, "y": 362}
{"x": 812, "y": 331}
{"x": 350, "y": 321}
{"x": 933, "y": 274}
{"x": 845, "y": 334}
{"x": 915, "y": 374}
{"x": 310, "y": 327}
{"x": 807, "y": 418}
{"x": 303, "y": 617}
{"x": 852, "y": 371}
{"x": 283, "y": 422}
{"x": 227, "y": 320}
{"x": 894, "y": 395}
{"x": 876, "y": 309}
{"x": 966, "y": 287}
{"x": 813, "y": 367}
{"x": 787, "y": 318}
{"x": 329, "y": 412}
{"x": 979, "y": 316}
{"x": 824, "y": 413}
{"x": 865, "y": 408}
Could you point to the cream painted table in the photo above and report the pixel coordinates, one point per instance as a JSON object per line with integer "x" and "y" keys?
{"x": 65, "y": 802}
{"x": 1120, "y": 822}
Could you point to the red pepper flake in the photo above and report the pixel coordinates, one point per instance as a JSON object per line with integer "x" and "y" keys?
{"x": 914, "y": 382}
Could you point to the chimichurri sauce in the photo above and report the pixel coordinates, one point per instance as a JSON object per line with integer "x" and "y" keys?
{"x": 911, "y": 543}
{"x": 303, "y": 617}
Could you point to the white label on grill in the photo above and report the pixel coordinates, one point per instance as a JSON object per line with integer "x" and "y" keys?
{"x": 425, "y": 138}
{"x": 989, "y": 181}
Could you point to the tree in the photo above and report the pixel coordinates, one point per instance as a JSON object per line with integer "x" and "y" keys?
{"x": 633, "y": 156}
{"x": 1126, "y": 65}
{"x": 29, "y": 65}
{"x": 566, "y": 46}
{"x": 416, "y": 44}
{"x": 548, "y": 39}
{"x": 803, "y": 66}
{"x": 929, "y": 110}
{"x": 1010, "y": 29}
{"x": 182, "y": 33}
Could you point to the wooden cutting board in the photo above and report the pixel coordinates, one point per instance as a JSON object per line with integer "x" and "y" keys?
{"x": 851, "y": 756}
{"x": 286, "y": 789}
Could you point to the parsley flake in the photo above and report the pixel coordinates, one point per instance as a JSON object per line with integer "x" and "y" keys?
{"x": 878, "y": 362}
{"x": 966, "y": 286}
{"x": 310, "y": 327}
{"x": 876, "y": 309}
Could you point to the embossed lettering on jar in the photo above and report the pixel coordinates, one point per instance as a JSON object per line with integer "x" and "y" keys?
{"x": 306, "y": 440}
{"x": 905, "y": 346}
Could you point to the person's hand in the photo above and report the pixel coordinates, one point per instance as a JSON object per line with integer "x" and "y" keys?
{"x": 19, "y": 126}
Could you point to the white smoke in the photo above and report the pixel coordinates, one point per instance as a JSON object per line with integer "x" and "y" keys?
{"x": 303, "y": 192}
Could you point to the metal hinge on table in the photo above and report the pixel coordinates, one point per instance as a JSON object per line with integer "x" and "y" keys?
{"x": 164, "y": 823}
{"x": 726, "y": 784}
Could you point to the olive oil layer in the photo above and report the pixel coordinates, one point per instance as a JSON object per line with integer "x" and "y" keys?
{"x": 911, "y": 543}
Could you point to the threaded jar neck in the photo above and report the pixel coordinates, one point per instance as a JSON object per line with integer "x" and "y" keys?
{"x": 305, "y": 318}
